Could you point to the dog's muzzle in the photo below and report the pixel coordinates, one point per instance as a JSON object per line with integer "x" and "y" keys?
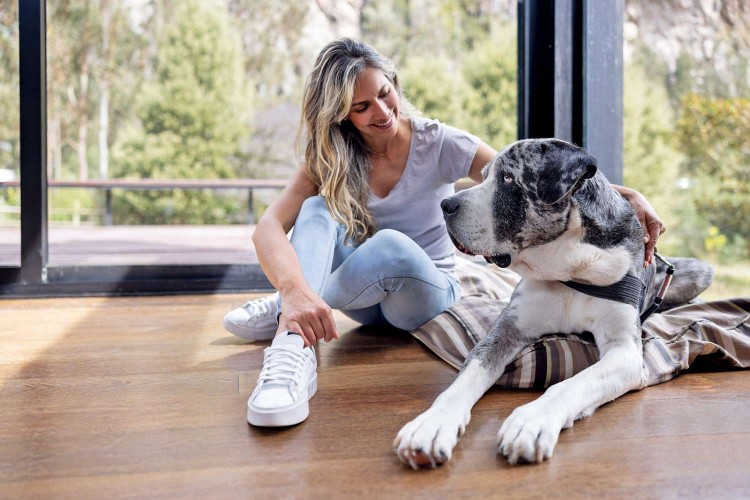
{"x": 500, "y": 260}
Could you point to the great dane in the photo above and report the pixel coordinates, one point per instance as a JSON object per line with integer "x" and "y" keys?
{"x": 546, "y": 212}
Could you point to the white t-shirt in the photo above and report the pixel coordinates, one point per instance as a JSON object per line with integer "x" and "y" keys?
{"x": 439, "y": 155}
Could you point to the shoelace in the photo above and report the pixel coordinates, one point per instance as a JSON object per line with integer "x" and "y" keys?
{"x": 280, "y": 365}
{"x": 259, "y": 308}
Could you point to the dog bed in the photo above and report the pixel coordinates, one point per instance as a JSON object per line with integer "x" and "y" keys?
{"x": 709, "y": 333}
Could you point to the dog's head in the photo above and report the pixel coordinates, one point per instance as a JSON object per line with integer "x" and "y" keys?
{"x": 524, "y": 201}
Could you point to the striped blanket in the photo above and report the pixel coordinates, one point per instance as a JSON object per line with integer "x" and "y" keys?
{"x": 717, "y": 333}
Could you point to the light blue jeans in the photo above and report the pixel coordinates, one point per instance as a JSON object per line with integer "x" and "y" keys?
{"x": 388, "y": 279}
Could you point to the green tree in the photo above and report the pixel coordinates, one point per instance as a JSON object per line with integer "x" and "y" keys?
{"x": 652, "y": 161}
{"x": 490, "y": 104}
{"x": 9, "y": 93}
{"x": 10, "y": 140}
{"x": 715, "y": 136}
{"x": 456, "y": 60}
{"x": 477, "y": 94}
{"x": 276, "y": 58}
{"x": 387, "y": 25}
{"x": 191, "y": 121}
{"x": 436, "y": 88}
{"x": 651, "y": 158}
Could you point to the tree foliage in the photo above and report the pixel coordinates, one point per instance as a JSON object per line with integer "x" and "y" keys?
{"x": 490, "y": 72}
{"x": 714, "y": 135}
{"x": 9, "y": 92}
{"x": 651, "y": 157}
{"x": 476, "y": 93}
{"x": 190, "y": 120}
{"x": 693, "y": 122}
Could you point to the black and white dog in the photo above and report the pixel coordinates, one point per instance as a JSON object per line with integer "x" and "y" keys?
{"x": 547, "y": 213}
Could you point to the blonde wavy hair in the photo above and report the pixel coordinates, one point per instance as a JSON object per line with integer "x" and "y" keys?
{"x": 336, "y": 157}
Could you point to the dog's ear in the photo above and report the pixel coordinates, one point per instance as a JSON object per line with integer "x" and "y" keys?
{"x": 563, "y": 173}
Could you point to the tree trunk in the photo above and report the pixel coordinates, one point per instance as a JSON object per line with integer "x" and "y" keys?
{"x": 55, "y": 145}
{"x": 107, "y": 21}
{"x": 104, "y": 131}
{"x": 83, "y": 121}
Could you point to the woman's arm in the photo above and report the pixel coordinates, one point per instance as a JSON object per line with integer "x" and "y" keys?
{"x": 652, "y": 224}
{"x": 482, "y": 157}
{"x": 304, "y": 311}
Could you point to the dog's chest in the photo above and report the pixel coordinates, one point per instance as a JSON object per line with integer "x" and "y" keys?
{"x": 567, "y": 258}
{"x": 549, "y": 306}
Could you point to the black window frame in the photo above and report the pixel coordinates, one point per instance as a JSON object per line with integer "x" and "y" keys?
{"x": 569, "y": 77}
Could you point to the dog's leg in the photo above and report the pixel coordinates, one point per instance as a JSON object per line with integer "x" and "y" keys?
{"x": 531, "y": 431}
{"x": 429, "y": 439}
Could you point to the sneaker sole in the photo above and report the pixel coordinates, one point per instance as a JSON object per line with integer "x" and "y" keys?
{"x": 247, "y": 333}
{"x": 291, "y": 415}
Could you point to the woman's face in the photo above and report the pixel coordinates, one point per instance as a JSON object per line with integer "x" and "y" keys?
{"x": 374, "y": 110}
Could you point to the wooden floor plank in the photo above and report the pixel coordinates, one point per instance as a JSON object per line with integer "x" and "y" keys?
{"x": 146, "y": 397}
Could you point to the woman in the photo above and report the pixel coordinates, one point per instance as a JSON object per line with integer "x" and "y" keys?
{"x": 369, "y": 237}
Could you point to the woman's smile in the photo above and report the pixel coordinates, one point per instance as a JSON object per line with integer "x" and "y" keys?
{"x": 385, "y": 125}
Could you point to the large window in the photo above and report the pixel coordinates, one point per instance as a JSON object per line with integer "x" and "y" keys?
{"x": 687, "y": 129}
{"x": 171, "y": 125}
{"x": 186, "y": 101}
{"x": 150, "y": 132}
{"x": 457, "y": 60}
{"x": 10, "y": 200}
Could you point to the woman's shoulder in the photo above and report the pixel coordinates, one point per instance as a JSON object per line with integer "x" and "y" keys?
{"x": 426, "y": 132}
{"x": 430, "y": 129}
{"x": 423, "y": 125}
{"x": 432, "y": 126}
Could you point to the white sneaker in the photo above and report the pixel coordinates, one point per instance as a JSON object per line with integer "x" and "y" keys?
{"x": 286, "y": 383}
{"x": 256, "y": 320}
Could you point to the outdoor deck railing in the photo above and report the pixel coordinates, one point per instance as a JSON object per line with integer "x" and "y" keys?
{"x": 165, "y": 184}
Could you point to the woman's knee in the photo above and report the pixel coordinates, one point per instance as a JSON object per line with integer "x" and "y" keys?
{"x": 315, "y": 225}
{"x": 391, "y": 237}
{"x": 315, "y": 210}
{"x": 395, "y": 251}
{"x": 314, "y": 205}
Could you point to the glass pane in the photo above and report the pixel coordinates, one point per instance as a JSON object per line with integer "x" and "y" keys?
{"x": 456, "y": 60}
{"x": 687, "y": 130}
{"x": 140, "y": 92}
{"x": 191, "y": 101}
{"x": 10, "y": 196}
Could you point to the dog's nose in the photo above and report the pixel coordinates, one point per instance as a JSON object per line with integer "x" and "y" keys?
{"x": 449, "y": 206}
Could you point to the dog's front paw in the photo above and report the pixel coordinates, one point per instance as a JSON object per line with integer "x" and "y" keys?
{"x": 429, "y": 439}
{"x": 529, "y": 434}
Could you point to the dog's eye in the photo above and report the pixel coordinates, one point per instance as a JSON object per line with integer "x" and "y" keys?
{"x": 507, "y": 178}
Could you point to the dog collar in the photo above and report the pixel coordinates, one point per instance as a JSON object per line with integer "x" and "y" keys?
{"x": 629, "y": 290}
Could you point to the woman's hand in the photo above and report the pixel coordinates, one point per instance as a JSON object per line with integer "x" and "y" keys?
{"x": 306, "y": 313}
{"x": 653, "y": 227}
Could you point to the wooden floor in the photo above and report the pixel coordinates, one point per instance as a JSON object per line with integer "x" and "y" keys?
{"x": 145, "y": 397}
